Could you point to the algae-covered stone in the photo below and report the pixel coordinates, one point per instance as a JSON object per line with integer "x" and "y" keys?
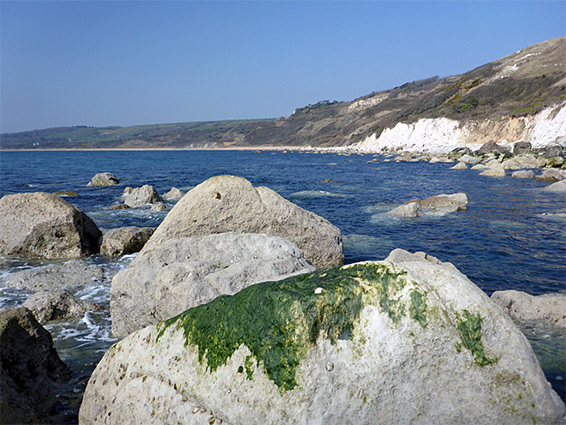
{"x": 182, "y": 273}
{"x": 406, "y": 340}
{"x": 231, "y": 204}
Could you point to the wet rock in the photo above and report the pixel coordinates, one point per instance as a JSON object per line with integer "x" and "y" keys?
{"x": 551, "y": 175}
{"x": 125, "y": 240}
{"x": 159, "y": 206}
{"x": 494, "y": 171}
{"x": 549, "y": 309}
{"x": 480, "y": 167}
{"x": 30, "y": 370}
{"x": 71, "y": 275}
{"x": 523, "y": 174}
{"x": 183, "y": 273}
{"x": 119, "y": 207}
{"x": 231, "y": 204}
{"x": 66, "y": 193}
{"x": 127, "y": 190}
{"x": 104, "y": 179}
{"x": 406, "y": 340}
{"x": 141, "y": 196}
{"x": 174, "y": 193}
{"x": 557, "y": 187}
{"x": 521, "y": 148}
{"x": 460, "y": 166}
{"x": 410, "y": 210}
{"x": 44, "y": 225}
{"x": 447, "y": 203}
{"x": 56, "y": 304}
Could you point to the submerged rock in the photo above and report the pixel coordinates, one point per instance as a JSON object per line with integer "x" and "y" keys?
{"x": 71, "y": 275}
{"x": 231, "y": 204}
{"x": 549, "y": 309}
{"x": 57, "y": 304}
{"x": 44, "y": 225}
{"x": 410, "y": 210}
{"x": 159, "y": 206}
{"x": 30, "y": 369}
{"x": 125, "y": 240}
{"x": 141, "y": 196}
{"x": 66, "y": 193}
{"x": 182, "y": 273}
{"x": 104, "y": 179}
{"x": 406, "y": 340}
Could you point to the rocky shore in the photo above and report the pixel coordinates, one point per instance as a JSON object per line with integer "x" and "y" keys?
{"x": 239, "y": 309}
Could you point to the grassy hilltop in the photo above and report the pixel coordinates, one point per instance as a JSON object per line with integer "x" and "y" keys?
{"x": 517, "y": 85}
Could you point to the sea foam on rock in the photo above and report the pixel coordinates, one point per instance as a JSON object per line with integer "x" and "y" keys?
{"x": 182, "y": 273}
{"x": 44, "y": 225}
{"x": 231, "y": 204}
{"x": 405, "y": 340}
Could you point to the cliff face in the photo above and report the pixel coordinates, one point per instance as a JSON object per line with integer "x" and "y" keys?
{"x": 501, "y": 100}
{"x": 443, "y": 135}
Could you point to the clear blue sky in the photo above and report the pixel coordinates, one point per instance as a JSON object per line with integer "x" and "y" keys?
{"x": 123, "y": 63}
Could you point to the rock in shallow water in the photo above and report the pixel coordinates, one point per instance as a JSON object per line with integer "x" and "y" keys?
{"x": 57, "y": 304}
{"x": 141, "y": 196}
{"x": 125, "y": 240}
{"x": 44, "y": 225}
{"x": 231, "y": 204}
{"x": 182, "y": 273}
{"x": 407, "y": 340}
{"x": 104, "y": 179}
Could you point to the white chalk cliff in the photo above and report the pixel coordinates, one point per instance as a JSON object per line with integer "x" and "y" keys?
{"x": 548, "y": 127}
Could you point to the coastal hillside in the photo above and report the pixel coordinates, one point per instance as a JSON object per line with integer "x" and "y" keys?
{"x": 501, "y": 100}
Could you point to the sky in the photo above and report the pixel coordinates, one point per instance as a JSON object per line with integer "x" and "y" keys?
{"x": 121, "y": 63}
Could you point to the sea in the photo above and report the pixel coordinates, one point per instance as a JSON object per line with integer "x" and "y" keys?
{"x": 512, "y": 236}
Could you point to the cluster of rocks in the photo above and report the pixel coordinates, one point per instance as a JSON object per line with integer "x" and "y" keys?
{"x": 237, "y": 310}
{"x": 494, "y": 160}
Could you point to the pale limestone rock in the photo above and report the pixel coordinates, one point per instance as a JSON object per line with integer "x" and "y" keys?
{"x": 183, "y": 273}
{"x": 549, "y": 309}
{"x": 231, "y": 204}
{"x": 44, "y": 225}
{"x": 417, "y": 342}
{"x": 523, "y": 174}
{"x": 410, "y": 210}
{"x": 104, "y": 179}
{"x": 460, "y": 166}
{"x": 174, "y": 193}
{"x": 141, "y": 196}
{"x": 125, "y": 240}
{"x": 56, "y": 304}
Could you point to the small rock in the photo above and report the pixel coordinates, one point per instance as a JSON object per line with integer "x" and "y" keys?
{"x": 523, "y": 174}
{"x": 468, "y": 159}
{"x": 447, "y": 203}
{"x": 159, "y": 206}
{"x": 66, "y": 193}
{"x": 119, "y": 207}
{"x": 480, "y": 167}
{"x": 556, "y": 161}
{"x": 174, "y": 193}
{"x": 409, "y": 210}
{"x": 551, "y": 151}
{"x": 127, "y": 191}
{"x": 521, "y": 148}
{"x": 104, "y": 179}
{"x": 494, "y": 172}
{"x": 125, "y": 240}
{"x": 141, "y": 196}
{"x": 460, "y": 166}
{"x": 550, "y": 175}
{"x": 56, "y": 304}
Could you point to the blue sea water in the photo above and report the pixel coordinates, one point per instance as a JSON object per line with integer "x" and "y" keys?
{"x": 512, "y": 236}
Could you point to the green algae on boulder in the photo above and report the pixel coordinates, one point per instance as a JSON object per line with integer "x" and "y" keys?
{"x": 280, "y": 321}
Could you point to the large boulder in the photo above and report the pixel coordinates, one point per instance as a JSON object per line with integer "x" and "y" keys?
{"x": 548, "y": 309}
{"x": 406, "y": 340}
{"x": 231, "y": 204}
{"x": 490, "y": 147}
{"x": 521, "y": 148}
{"x": 141, "y": 196}
{"x": 71, "y": 275}
{"x": 182, "y": 273}
{"x": 125, "y": 240}
{"x": 104, "y": 179}
{"x": 44, "y": 225}
{"x": 30, "y": 369}
{"x": 57, "y": 304}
